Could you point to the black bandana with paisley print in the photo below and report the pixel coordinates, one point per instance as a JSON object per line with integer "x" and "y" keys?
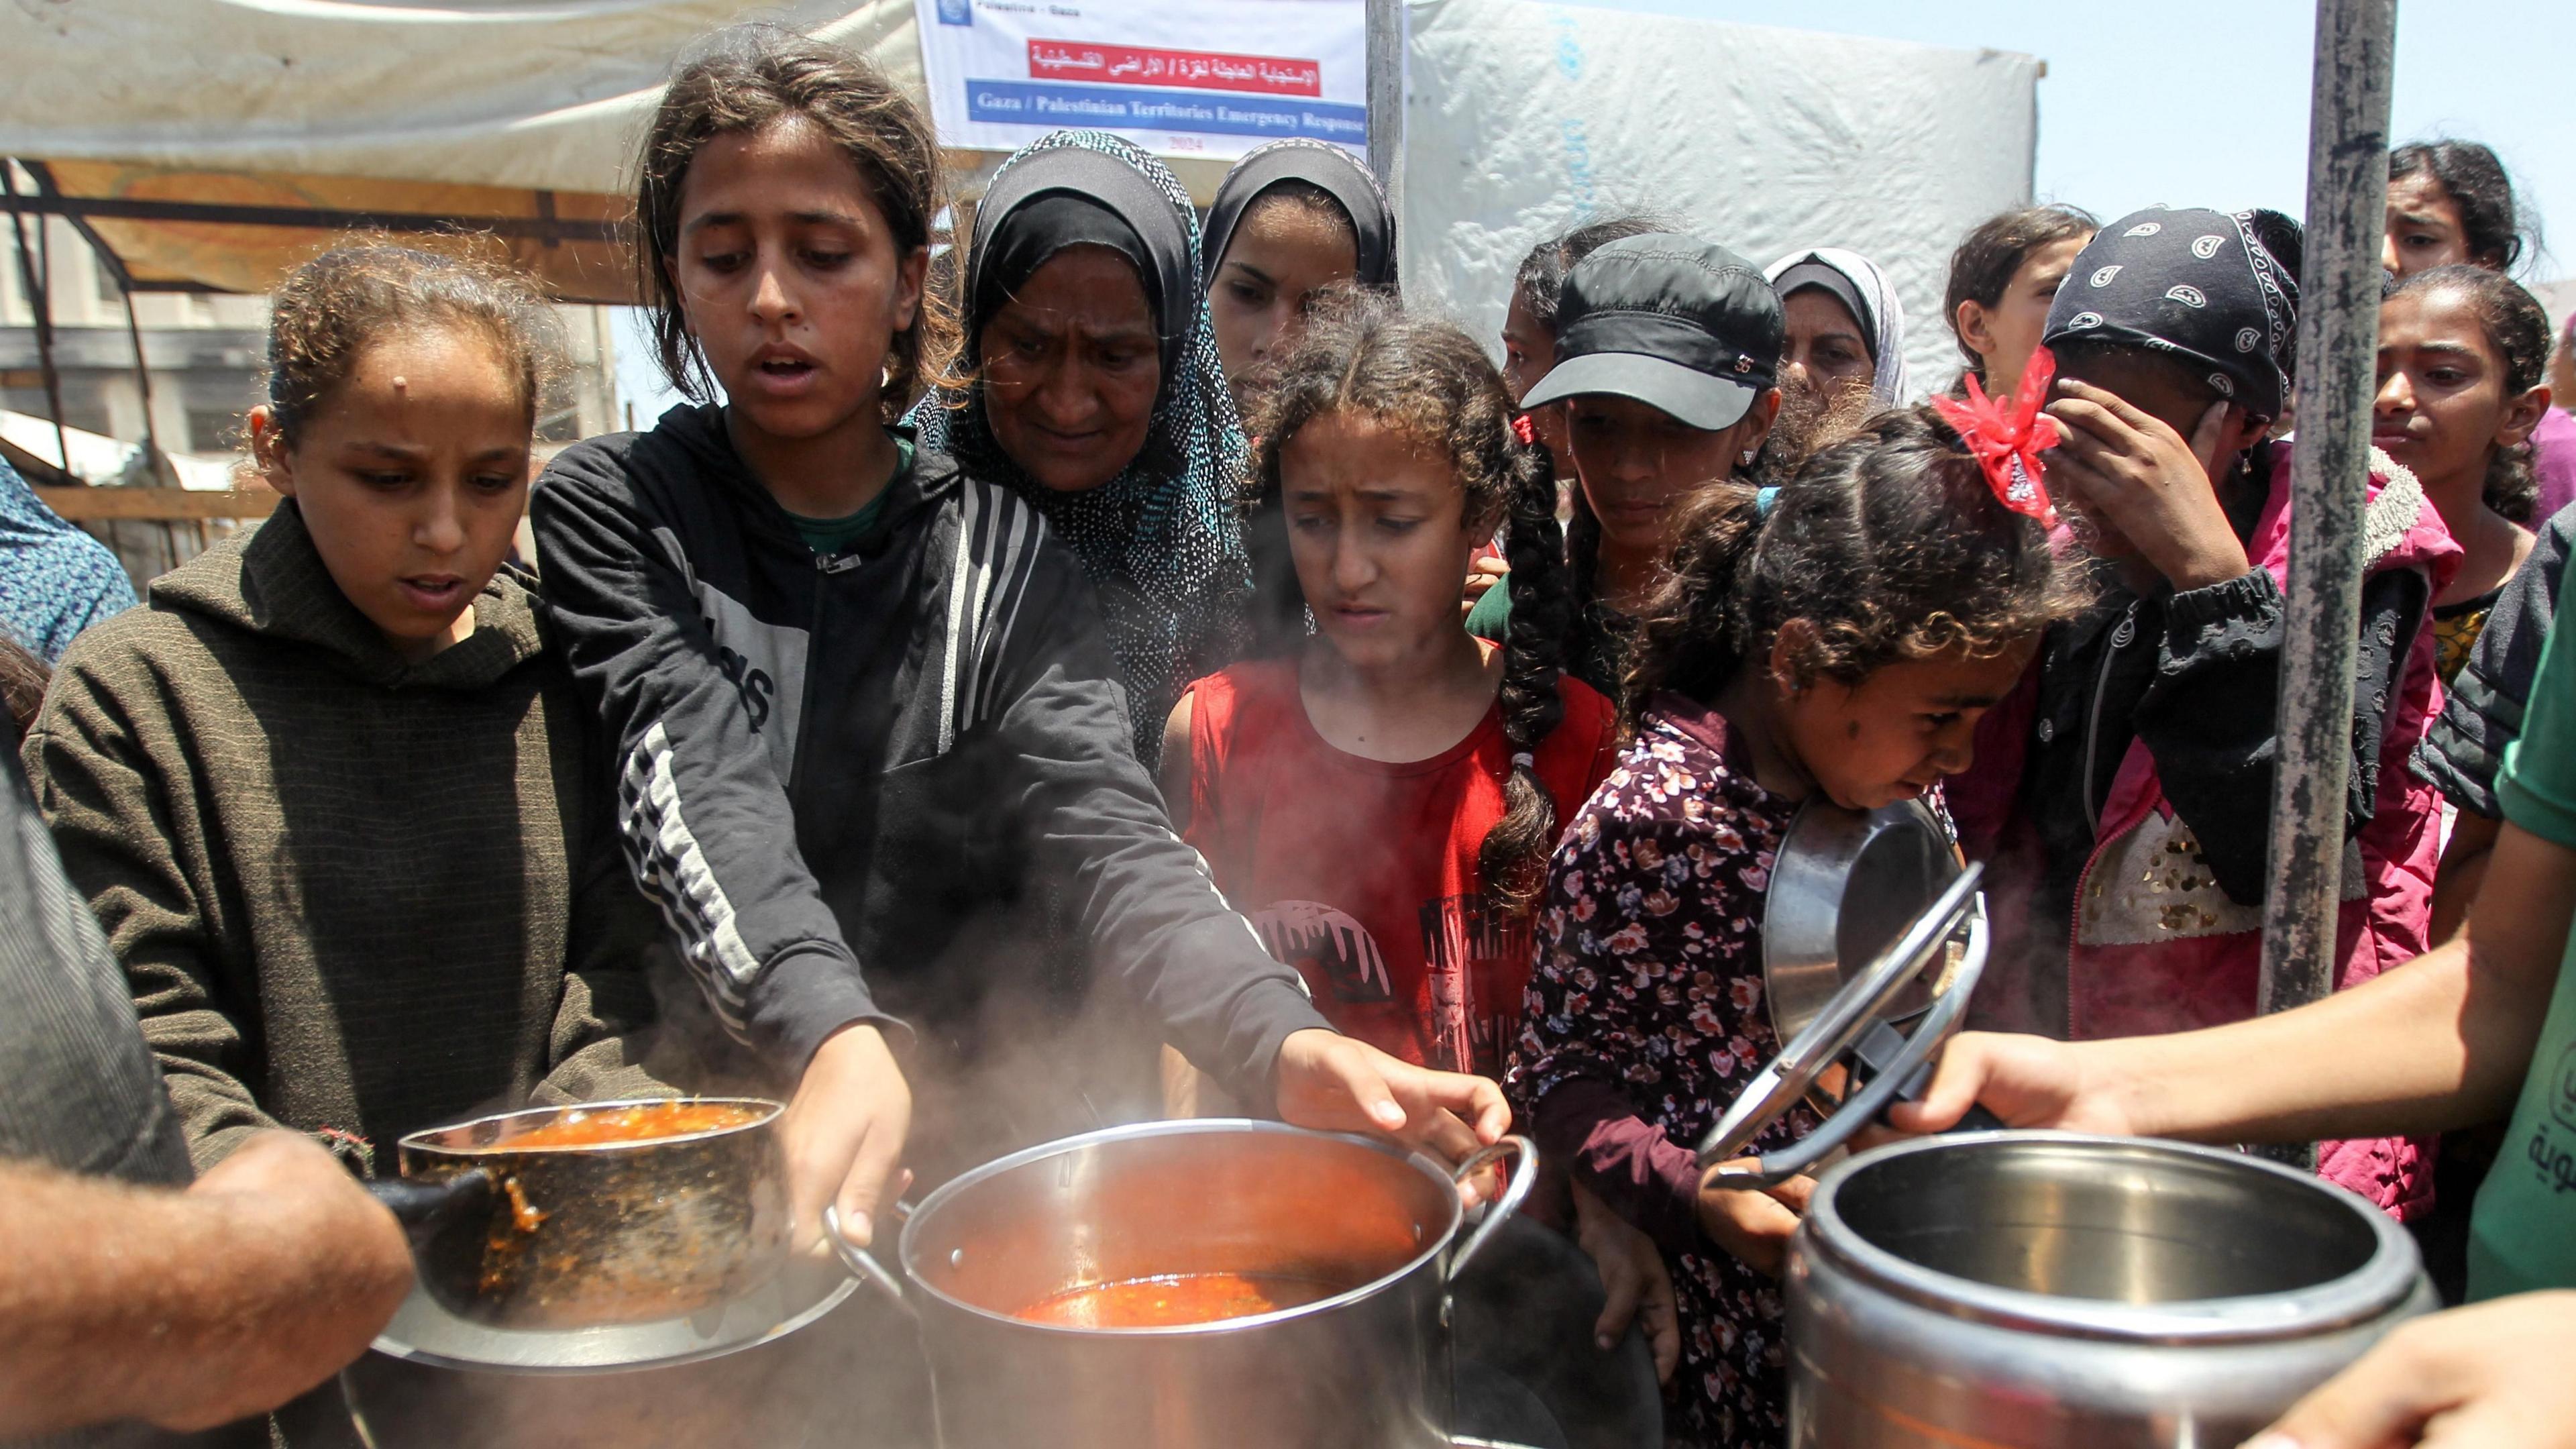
{"x": 2213, "y": 289}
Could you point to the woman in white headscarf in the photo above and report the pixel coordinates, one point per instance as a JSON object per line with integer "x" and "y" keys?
{"x": 1846, "y": 328}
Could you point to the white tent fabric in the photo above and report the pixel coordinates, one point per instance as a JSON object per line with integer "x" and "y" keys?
{"x": 1525, "y": 119}
{"x": 550, "y": 95}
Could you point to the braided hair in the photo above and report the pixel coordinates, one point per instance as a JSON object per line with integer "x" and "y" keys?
{"x": 1360, "y": 354}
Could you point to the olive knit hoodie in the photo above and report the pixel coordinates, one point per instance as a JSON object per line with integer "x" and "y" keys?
{"x": 351, "y": 895}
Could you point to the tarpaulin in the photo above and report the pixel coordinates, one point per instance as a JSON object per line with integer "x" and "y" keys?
{"x": 1524, "y": 119}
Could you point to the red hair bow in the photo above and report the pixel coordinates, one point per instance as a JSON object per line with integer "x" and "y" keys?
{"x": 2007, "y": 441}
{"x": 1524, "y": 429}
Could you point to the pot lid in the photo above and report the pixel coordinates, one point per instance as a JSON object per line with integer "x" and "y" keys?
{"x": 1854, "y": 1030}
{"x": 1845, "y": 883}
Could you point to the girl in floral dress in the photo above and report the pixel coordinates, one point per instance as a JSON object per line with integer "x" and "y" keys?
{"x": 1838, "y": 635}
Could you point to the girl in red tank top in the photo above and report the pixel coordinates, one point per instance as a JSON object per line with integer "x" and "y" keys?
{"x": 1381, "y": 795}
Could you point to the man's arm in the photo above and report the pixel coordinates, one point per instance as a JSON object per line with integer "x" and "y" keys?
{"x": 2441, "y": 1042}
{"x": 188, "y": 1309}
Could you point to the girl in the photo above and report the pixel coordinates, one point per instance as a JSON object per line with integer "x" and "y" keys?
{"x": 1386, "y": 794}
{"x": 1666, "y": 354}
{"x": 2002, "y": 278}
{"x": 1292, "y": 218}
{"x": 1529, "y": 323}
{"x": 1383, "y": 798}
{"x": 329, "y": 792}
{"x": 891, "y": 736}
{"x": 2462, "y": 357}
{"x": 1088, "y": 384}
{"x": 1838, "y": 636}
{"x": 1846, "y": 330}
{"x": 2126, "y": 799}
{"x": 2450, "y": 203}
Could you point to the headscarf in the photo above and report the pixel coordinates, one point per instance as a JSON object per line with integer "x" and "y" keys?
{"x": 1324, "y": 166}
{"x": 1868, "y": 295}
{"x": 1162, "y": 541}
{"x": 55, "y": 580}
{"x": 2204, "y": 286}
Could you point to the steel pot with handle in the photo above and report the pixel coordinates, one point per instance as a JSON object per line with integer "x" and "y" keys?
{"x": 1365, "y": 1229}
{"x": 642, "y": 1229}
{"x": 2043, "y": 1290}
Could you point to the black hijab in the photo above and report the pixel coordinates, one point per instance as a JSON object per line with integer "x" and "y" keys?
{"x": 1329, "y": 169}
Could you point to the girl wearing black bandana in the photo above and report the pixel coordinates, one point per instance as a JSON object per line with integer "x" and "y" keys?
{"x": 2126, "y": 795}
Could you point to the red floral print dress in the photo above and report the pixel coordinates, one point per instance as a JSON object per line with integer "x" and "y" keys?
{"x": 1648, "y": 983}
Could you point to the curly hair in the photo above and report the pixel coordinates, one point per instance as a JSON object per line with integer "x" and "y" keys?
{"x": 1890, "y": 543}
{"x": 746, "y": 80}
{"x": 1362, "y": 355}
{"x": 2517, "y": 328}
{"x": 331, "y": 309}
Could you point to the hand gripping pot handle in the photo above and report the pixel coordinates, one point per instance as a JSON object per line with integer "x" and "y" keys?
{"x": 1525, "y": 1160}
{"x": 863, "y": 1264}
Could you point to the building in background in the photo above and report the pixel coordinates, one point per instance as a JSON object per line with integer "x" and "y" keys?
{"x": 205, "y": 352}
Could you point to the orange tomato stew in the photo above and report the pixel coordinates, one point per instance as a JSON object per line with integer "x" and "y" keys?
{"x": 581, "y": 1127}
{"x": 1171, "y": 1300}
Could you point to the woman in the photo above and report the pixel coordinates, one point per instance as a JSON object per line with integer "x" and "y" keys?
{"x": 1089, "y": 383}
{"x": 1291, "y": 219}
{"x": 2451, "y": 203}
{"x": 1846, "y": 328}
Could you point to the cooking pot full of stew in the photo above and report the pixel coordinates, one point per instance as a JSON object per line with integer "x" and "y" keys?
{"x": 609, "y": 1213}
{"x": 2043, "y": 1290}
{"x": 1172, "y": 1285}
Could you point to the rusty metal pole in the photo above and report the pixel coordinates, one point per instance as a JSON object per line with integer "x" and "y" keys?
{"x": 1386, "y": 98}
{"x": 2337, "y": 349}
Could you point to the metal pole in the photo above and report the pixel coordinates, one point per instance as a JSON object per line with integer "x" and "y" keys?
{"x": 1386, "y": 98}
{"x": 2338, "y": 346}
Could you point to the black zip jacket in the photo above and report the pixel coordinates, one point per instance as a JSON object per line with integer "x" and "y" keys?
{"x": 911, "y": 757}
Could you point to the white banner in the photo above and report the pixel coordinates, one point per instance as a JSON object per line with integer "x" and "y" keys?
{"x": 1201, "y": 78}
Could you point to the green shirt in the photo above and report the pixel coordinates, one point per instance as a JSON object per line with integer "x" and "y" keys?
{"x": 828, "y": 536}
{"x": 1605, "y": 663}
{"x": 2522, "y": 1236}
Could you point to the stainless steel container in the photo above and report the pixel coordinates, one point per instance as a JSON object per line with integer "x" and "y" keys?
{"x": 2041, "y": 1289}
{"x": 1367, "y": 1366}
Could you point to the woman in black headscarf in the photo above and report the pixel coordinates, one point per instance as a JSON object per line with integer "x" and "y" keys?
{"x": 1089, "y": 384}
{"x": 1292, "y": 218}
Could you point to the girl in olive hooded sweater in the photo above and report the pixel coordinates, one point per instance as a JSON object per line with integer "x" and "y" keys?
{"x": 326, "y": 791}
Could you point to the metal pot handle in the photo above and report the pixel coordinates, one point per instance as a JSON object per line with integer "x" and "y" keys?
{"x": 861, "y": 1263}
{"x": 1514, "y": 1193}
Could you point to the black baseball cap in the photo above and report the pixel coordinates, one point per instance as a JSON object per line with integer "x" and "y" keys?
{"x": 1675, "y": 322}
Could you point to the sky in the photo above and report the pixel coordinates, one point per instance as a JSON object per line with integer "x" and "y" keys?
{"x": 2193, "y": 102}
{"x": 2205, "y": 102}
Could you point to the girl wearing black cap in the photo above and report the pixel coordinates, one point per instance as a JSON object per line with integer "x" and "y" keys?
{"x": 1291, "y": 219}
{"x": 1667, "y": 349}
{"x": 2128, "y": 798}
{"x": 873, "y": 756}
{"x": 1088, "y": 384}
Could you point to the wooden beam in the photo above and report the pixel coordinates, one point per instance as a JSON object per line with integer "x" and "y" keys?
{"x": 168, "y": 505}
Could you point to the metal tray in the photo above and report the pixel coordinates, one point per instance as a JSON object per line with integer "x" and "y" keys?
{"x": 422, "y": 1332}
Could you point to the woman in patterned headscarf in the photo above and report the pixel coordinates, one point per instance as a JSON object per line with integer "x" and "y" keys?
{"x": 1089, "y": 384}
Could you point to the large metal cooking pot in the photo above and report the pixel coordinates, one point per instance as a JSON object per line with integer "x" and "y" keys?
{"x": 2043, "y": 1290}
{"x": 581, "y": 1237}
{"x": 1367, "y": 1365}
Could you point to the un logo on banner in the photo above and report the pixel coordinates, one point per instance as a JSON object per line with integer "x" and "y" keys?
{"x": 956, "y": 12}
